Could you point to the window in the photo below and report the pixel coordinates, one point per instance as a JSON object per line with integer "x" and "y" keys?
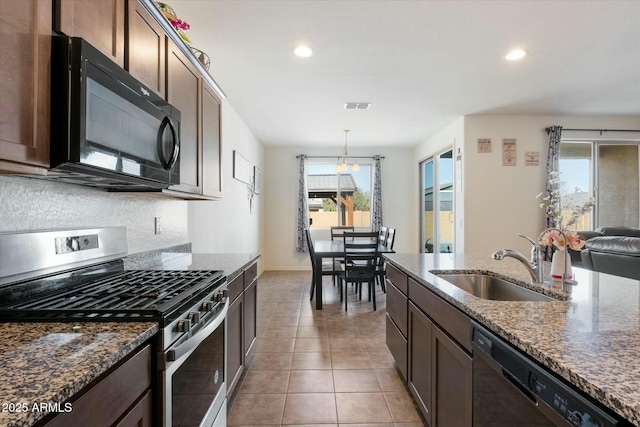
{"x": 339, "y": 198}
{"x": 608, "y": 172}
{"x": 437, "y": 203}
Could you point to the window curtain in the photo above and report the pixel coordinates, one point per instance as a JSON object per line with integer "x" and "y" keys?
{"x": 553, "y": 169}
{"x": 376, "y": 205}
{"x": 303, "y": 206}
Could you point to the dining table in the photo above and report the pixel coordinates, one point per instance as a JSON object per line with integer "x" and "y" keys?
{"x": 331, "y": 249}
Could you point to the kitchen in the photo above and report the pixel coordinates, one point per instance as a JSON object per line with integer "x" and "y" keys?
{"x": 230, "y": 225}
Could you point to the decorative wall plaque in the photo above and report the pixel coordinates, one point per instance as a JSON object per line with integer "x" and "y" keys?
{"x": 484, "y": 145}
{"x": 531, "y": 158}
{"x": 508, "y": 151}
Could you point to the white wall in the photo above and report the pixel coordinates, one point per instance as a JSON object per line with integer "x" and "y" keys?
{"x": 281, "y": 190}
{"x": 500, "y": 201}
{"x": 227, "y": 225}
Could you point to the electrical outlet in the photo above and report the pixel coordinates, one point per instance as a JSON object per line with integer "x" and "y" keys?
{"x": 158, "y": 225}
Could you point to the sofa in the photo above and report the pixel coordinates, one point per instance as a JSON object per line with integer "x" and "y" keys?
{"x": 612, "y": 250}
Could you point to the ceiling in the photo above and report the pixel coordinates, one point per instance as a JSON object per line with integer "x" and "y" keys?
{"x": 421, "y": 64}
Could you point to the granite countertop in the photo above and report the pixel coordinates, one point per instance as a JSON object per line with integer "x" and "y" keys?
{"x": 47, "y": 363}
{"x": 590, "y": 339}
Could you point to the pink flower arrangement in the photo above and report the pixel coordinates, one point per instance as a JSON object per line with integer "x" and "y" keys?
{"x": 556, "y": 239}
{"x": 178, "y": 24}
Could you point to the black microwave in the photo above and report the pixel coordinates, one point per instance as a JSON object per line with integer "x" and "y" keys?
{"x": 108, "y": 130}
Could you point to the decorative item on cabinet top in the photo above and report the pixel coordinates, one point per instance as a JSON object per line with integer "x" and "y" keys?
{"x": 178, "y": 24}
{"x": 181, "y": 26}
{"x": 202, "y": 57}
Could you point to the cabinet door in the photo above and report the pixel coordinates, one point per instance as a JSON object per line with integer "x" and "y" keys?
{"x": 453, "y": 383}
{"x": 183, "y": 92}
{"x": 139, "y": 415}
{"x": 113, "y": 397}
{"x": 211, "y": 145}
{"x": 397, "y": 345}
{"x": 101, "y": 23}
{"x": 250, "y": 300}
{"x": 146, "y": 48}
{"x": 235, "y": 353}
{"x": 25, "y": 56}
{"x": 397, "y": 307}
{"x": 420, "y": 377}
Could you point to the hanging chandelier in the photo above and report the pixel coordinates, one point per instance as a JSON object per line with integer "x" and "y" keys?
{"x": 343, "y": 165}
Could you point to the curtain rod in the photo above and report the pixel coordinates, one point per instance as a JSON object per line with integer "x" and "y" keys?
{"x": 595, "y": 130}
{"x": 338, "y": 157}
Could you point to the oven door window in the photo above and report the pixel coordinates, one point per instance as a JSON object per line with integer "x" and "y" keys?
{"x": 198, "y": 381}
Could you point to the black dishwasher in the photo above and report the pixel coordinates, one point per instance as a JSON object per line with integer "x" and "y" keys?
{"x": 511, "y": 389}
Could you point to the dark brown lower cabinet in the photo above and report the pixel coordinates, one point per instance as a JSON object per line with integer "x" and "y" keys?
{"x": 420, "y": 376}
{"x": 235, "y": 354}
{"x": 440, "y": 373}
{"x": 138, "y": 416}
{"x": 397, "y": 345}
{"x": 241, "y": 323}
{"x": 452, "y": 382}
{"x": 250, "y": 325}
{"x": 121, "y": 399}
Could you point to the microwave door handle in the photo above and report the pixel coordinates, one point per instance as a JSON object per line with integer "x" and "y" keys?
{"x": 176, "y": 144}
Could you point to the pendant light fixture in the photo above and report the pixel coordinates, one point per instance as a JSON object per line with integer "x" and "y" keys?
{"x": 343, "y": 165}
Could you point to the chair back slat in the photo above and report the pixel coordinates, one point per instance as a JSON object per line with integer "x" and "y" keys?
{"x": 338, "y": 230}
{"x": 361, "y": 250}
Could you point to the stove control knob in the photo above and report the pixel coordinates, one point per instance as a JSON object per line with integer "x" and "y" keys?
{"x": 207, "y": 306}
{"x": 220, "y": 296}
{"x": 184, "y": 326}
{"x": 194, "y": 317}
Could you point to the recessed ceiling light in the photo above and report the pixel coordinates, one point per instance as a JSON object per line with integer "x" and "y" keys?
{"x": 515, "y": 54}
{"x": 303, "y": 51}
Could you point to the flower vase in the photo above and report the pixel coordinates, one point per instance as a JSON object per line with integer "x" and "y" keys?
{"x": 561, "y": 263}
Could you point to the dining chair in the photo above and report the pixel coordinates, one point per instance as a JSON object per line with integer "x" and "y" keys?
{"x": 360, "y": 257}
{"x": 381, "y": 267}
{"x": 328, "y": 267}
{"x": 382, "y": 236}
{"x": 336, "y": 234}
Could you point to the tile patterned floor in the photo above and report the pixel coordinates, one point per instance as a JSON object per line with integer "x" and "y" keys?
{"x": 320, "y": 368}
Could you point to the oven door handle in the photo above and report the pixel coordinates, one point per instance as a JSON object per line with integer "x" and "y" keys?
{"x": 184, "y": 348}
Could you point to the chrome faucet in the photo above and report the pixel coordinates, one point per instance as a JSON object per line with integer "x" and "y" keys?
{"x": 534, "y": 265}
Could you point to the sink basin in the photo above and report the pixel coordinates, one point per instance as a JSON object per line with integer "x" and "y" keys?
{"x": 493, "y": 288}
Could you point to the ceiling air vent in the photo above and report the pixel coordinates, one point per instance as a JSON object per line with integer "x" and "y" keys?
{"x": 357, "y": 105}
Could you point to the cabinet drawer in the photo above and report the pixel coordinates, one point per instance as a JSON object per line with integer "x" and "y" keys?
{"x": 397, "y": 307}
{"x": 235, "y": 287}
{"x": 450, "y": 319}
{"x": 397, "y": 345}
{"x": 250, "y": 274}
{"x": 398, "y": 278}
{"x": 112, "y": 396}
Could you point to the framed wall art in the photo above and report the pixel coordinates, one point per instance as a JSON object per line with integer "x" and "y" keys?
{"x": 257, "y": 180}
{"x": 241, "y": 168}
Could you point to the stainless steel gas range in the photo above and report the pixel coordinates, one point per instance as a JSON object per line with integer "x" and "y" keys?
{"x": 79, "y": 275}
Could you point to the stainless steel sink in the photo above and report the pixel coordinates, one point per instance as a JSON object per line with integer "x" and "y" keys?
{"x": 493, "y": 288}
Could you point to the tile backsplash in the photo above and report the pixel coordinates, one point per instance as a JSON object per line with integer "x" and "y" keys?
{"x": 32, "y": 204}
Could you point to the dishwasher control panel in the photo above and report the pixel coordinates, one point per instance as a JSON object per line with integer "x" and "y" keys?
{"x": 537, "y": 384}
{"x": 569, "y": 406}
